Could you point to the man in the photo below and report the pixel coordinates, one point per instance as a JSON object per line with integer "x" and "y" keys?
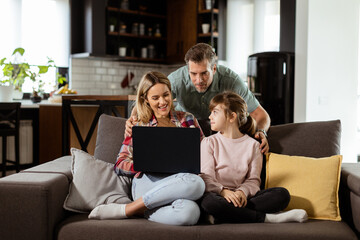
{"x": 195, "y": 84}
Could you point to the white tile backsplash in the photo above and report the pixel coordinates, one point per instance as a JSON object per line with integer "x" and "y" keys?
{"x": 101, "y": 70}
{"x": 107, "y": 78}
{"x": 103, "y": 77}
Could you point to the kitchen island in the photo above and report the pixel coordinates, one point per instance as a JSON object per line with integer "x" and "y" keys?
{"x": 46, "y": 139}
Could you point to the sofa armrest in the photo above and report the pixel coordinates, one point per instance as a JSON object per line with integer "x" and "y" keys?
{"x": 350, "y": 194}
{"x": 32, "y": 202}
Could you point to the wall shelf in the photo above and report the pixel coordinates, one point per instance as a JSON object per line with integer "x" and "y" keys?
{"x": 135, "y": 12}
{"x": 141, "y": 29}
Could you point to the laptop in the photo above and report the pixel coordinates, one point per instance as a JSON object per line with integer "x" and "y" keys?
{"x": 166, "y": 149}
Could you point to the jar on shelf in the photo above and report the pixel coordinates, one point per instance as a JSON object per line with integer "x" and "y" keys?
{"x": 122, "y": 28}
{"x": 142, "y": 29}
{"x": 144, "y": 52}
{"x": 125, "y": 4}
{"x": 150, "y": 31}
{"x": 157, "y": 31}
{"x": 151, "y": 51}
{"x": 135, "y": 28}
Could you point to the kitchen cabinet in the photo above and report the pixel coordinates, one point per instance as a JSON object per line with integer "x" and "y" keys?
{"x": 157, "y": 31}
{"x": 49, "y": 132}
{"x": 212, "y": 13}
{"x": 208, "y": 16}
{"x": 181, "y": 28}
{"x": 137, "y": 26}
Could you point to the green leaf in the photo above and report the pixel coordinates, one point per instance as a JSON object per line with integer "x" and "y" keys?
{"x": 21, "y": 51}
{"x": 60, "y": 78}
{"x": 43, "y": 69}
{"x": 2, "y": 61}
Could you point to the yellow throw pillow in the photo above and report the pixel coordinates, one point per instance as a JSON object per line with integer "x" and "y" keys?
{"x": 313, "y": 183}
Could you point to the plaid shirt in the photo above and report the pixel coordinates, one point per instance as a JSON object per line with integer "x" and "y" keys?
{"x": 124, "y": 163}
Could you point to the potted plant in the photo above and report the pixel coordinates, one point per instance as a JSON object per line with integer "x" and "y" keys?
{"x": 38, "y": 83}
{"x": 14, "y": 72}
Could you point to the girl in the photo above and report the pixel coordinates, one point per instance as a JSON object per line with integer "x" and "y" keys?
{"x": 162, "y": 198}
{"x": 231, "y": 162}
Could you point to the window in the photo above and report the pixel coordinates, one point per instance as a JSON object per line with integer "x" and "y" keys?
{"x": 252, "y": 26}
{"x": 42, "y": 28}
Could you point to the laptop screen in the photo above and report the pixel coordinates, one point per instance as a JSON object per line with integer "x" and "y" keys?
{"x": 166, "y": 149}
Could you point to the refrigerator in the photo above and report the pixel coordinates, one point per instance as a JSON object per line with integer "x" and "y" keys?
{"x": 270, "y": 76}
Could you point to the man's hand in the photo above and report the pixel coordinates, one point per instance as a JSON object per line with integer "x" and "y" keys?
{"x": 128, "y": 126}
{"x": 264, "y": 145}
{"x": 238, "y": 198}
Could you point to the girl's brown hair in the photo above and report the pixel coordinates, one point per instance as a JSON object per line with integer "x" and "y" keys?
{"x": 144, "y": 111}
{"x": 233, "y": 102}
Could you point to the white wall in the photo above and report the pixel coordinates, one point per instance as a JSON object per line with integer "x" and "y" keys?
{"x": 326, "y": 70}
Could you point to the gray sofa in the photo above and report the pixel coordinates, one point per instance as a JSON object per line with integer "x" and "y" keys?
{"x": 31, "y": 202}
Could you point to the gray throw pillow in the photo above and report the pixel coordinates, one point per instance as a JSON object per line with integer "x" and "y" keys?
{"x": 94, "y": 183}
{"x": 110, "y": 136}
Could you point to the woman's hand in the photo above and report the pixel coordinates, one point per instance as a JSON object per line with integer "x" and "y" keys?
{"x": 238, "y": 198}
{"x": 128, "y": 126}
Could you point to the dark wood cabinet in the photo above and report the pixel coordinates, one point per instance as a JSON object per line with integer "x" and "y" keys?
{"x": 159, "y": 31}
{"x": 181, "y": 28}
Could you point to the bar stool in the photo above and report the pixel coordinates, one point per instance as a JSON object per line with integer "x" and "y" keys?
{"x": 9, "y": 126}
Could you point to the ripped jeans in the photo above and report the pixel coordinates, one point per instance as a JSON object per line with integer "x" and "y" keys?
{"x": 170, "y": 199}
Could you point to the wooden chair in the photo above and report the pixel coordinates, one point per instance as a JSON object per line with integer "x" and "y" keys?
{"x": 105, "y": 103}
{"x": 9, "y": 126}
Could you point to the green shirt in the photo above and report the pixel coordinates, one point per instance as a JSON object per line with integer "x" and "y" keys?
{"x": 190, "y": 100}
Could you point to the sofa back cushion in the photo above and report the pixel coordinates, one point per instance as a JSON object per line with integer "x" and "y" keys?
{"x": 309, "y": 139}
{"x": 110, "y": 136}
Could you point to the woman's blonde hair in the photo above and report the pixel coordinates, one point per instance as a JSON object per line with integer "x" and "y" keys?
{"x": 233, "y": 102}
{"x": 144, "y": 111}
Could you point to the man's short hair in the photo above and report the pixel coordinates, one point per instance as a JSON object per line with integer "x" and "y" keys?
{"x": 199, "y": 53}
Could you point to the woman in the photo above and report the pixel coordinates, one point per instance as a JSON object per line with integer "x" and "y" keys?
{"x": 162, "y": 198}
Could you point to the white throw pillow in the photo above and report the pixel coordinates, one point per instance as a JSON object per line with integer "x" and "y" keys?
{"x": 94, "y": 183}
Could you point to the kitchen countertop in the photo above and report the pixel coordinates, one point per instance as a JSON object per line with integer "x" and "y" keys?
{"x": 30, "y": 104}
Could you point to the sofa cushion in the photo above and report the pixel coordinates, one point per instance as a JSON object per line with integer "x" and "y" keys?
{"x": 309, "y": 139}
{"x": 350, "y": 176}
{"x": 110, "y": 136}
{"x": 61, "y": 165}
{"x": 313, "y": 183}
{"x": 79, "y": 227}
{"x": 94, "y": 183}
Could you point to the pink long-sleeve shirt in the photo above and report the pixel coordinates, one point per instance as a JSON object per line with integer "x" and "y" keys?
{"x": 234, "y": 164}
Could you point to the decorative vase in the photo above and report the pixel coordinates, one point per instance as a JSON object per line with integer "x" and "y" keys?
{"x": 17, "y": 94}
{"x": 6, "y": 93}
{"x": 35, "y": 99}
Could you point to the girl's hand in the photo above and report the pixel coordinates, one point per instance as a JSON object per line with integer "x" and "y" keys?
{"x": 242, "y": 197}
{"x": 237, "y": 198}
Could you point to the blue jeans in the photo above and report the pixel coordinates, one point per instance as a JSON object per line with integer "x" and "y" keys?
{"x": 170, "y": 199}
